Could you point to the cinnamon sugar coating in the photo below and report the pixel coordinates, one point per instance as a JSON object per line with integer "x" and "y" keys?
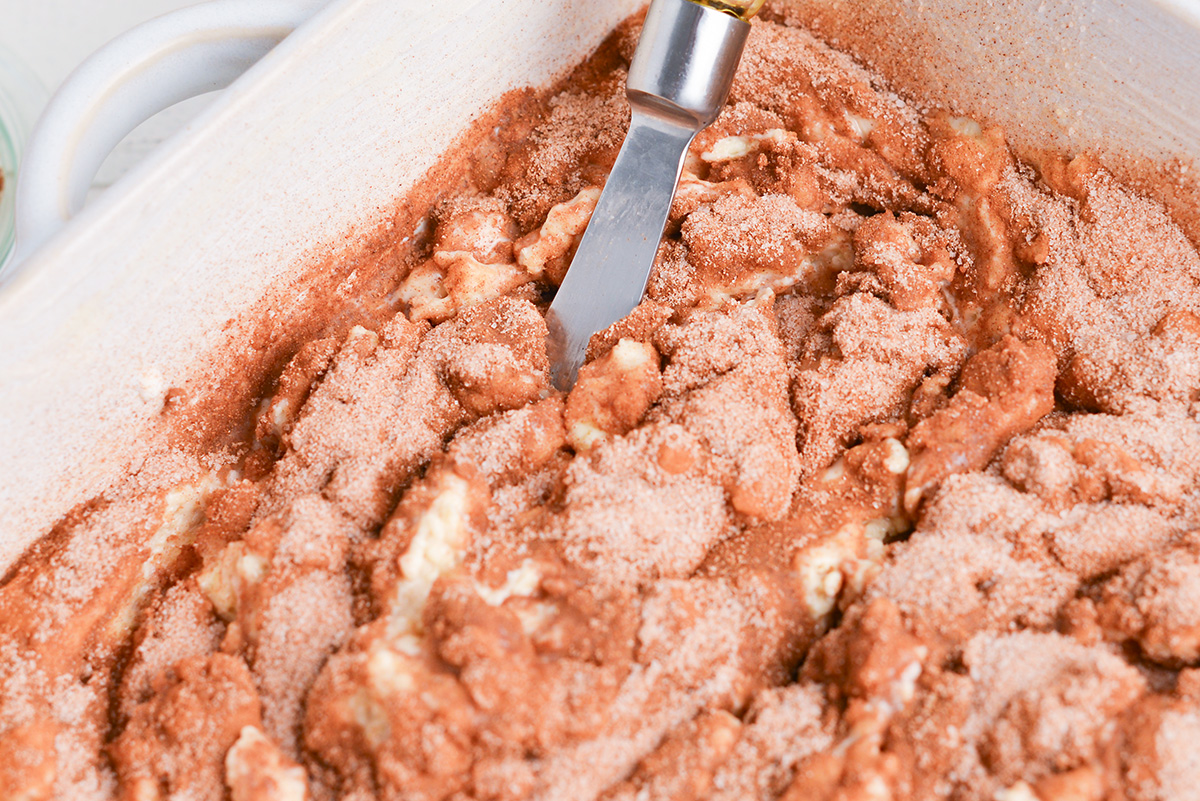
{"x": 890, "y": 490}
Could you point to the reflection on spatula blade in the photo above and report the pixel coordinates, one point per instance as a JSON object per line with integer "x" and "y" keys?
{"x": 678, "y": 83}
{"x": 612, "y": 265}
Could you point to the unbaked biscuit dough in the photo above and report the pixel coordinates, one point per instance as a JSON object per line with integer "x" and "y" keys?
{"x": 888, "y": 490}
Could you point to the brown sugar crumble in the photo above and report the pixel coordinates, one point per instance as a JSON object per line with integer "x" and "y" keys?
{"x": 889, "y": 490}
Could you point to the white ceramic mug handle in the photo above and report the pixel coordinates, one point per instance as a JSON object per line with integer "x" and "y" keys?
{"x": 143, "y": 71}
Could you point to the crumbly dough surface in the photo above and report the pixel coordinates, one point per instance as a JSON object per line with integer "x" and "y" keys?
{"x": 889, "y": 490}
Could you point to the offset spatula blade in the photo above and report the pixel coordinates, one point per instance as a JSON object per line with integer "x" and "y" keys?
{"x": 678, "y": 83}
{"x": 612, "y": 265}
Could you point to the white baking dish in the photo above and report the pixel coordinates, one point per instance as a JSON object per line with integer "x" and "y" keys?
{"x": 308, "y": 154}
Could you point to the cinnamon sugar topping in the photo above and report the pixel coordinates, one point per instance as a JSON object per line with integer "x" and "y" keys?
{"x": 889, "y": 490}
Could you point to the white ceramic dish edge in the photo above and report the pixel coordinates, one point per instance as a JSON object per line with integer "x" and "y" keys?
{"x": 1099, "y": 76}
{"x": 313, "y": 146}
{"x": 173, "y": 57}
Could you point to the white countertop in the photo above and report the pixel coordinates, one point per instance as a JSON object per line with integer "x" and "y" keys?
{"x": 53, "y": 36}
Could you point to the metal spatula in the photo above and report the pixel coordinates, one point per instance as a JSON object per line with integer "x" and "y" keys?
{"x": 678, "y": 83}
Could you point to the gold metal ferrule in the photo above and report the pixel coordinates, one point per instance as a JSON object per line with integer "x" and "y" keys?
{"x": 742, "y": 9}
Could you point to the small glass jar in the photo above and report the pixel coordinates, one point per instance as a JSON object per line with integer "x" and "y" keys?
{"x": 21, "y": 100}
